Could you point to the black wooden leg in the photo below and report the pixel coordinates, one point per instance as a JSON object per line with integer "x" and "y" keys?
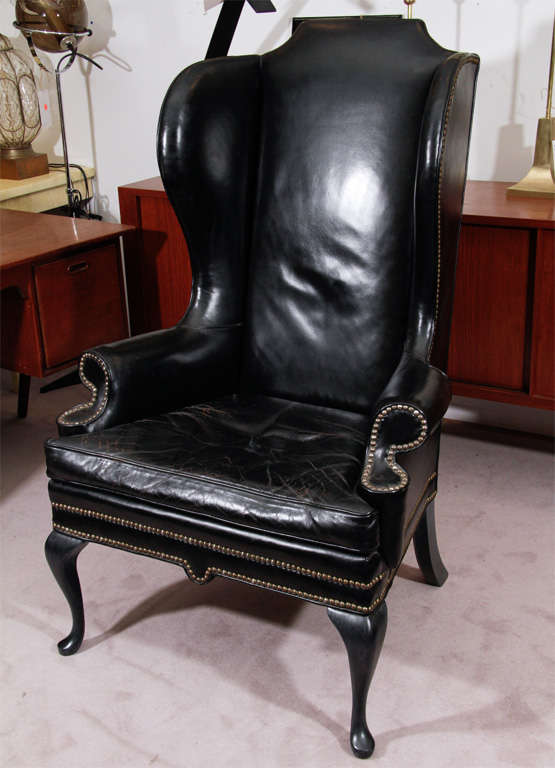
{"x": 61, "y": 554}
{"x": 363, "y": 637}
{"x": 426, "y": 549}
{"x": 67, "y": 380}
{"x": 23, "y": 395}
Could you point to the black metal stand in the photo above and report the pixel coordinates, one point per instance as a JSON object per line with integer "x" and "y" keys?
{"x": 227, "y": 24}
{"x": 67, "y": 380}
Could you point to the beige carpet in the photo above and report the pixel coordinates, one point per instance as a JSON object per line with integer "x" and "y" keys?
{"x": 176, "y": 675}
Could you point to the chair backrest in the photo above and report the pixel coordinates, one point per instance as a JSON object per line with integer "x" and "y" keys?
{"x": 314, "y": 184}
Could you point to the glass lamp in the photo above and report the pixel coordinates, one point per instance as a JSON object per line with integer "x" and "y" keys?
{"x": 19, "y": 116}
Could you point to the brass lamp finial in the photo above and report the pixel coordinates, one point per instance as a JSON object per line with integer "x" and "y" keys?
{"x": 409, "y": 4}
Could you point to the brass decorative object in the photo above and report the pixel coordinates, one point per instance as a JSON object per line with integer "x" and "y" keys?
{"x": 19, "y": 116}
{"x": 409, "y": 4}
{"x": 52, "y": 25}
{"x": 540, "y": 179}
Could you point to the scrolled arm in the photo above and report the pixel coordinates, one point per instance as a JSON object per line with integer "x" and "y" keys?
{"x": 408, "y": 410}
{"x": 153, "y": 373}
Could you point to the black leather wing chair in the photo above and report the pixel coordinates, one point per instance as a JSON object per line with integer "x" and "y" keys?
{"x": 286, "y": 432}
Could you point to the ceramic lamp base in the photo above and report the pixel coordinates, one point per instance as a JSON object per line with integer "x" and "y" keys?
{"x": 22, "y": 163}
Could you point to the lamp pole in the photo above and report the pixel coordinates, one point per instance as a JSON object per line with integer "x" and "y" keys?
{"x": 409, "y": 4}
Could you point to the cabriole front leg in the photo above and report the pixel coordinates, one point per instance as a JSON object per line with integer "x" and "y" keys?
{"x": 363, "y": 637}
{"x": 427, "y": 550}
{"x": 61, "y": 554}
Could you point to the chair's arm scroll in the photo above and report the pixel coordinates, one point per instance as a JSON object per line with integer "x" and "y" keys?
{"x": 153, "y": 373}
{"x": 408, "y": 410}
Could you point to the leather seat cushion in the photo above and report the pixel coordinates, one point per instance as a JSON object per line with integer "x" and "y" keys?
{"x": 261, "y": 462}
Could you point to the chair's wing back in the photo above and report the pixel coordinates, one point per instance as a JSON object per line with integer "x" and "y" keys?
{"x": 441, "y": 178}
{"x": 208, "y": 157}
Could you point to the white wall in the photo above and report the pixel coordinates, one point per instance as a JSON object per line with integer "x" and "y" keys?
{"x": 142, "y": 45}
{"x": 112, "y": 115}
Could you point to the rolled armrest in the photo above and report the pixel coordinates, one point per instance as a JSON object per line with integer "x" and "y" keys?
{"x": 153, "y": 373}
{"x": 408, "y": 410}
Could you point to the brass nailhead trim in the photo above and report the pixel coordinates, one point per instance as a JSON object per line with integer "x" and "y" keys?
{"x": 471, "y": 60}
{"x": 431, "y": 497}
{"x": 249, "y": 579}
{"x": 219, "y": 547}
{"x": 213, "y": 571}
{"x": 393, "y": 449}
{"x": 65, "y": 417}
{"x": 427, "y": 483}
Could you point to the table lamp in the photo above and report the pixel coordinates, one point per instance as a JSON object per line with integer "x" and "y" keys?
{"x": 19, "y": 116}
{"x": 540, "y": 179}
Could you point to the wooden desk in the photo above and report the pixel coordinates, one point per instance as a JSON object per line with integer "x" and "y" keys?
{"x": 62, "y": 290}
{"x": 502, "y": 337}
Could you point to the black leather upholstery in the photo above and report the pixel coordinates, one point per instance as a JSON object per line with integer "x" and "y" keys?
{"x": 267, "y": 464}
{"x": 286, "y": 431}
{"x": 333, "y": 212}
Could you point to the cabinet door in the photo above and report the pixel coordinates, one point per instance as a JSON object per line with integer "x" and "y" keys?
{"x": 157, "y": 264}
{"x": 80, "y": 303}
{"x": 488, "y": 338}
{"x": 542, "y": 385}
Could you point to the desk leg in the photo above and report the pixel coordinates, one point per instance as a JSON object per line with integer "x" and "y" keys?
{"x": 23, "y": 395}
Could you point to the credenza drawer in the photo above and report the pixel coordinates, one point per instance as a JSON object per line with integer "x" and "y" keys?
{"x": 80, "y": 303}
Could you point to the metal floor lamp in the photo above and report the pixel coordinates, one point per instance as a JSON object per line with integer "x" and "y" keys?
{"x": 57, "y": 34}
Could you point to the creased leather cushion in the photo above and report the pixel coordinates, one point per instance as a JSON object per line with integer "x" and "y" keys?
{"x": 266, "y": 463}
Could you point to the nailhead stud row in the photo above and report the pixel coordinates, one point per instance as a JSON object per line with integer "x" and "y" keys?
{"x": 470, "y": 60}
{"x": 393, "y": 449}
{"x": 65, "y": 418}
{"x": 218, "y": 547}
{"x": 213, "y": 571}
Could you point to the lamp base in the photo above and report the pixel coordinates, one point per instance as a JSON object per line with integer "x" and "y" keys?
{"x": 540, "y": 179}
{"x": 22, "y": 163}
{"x": 538, "y": 182}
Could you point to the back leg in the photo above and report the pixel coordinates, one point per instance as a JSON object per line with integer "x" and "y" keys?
{"x": 426, "y": 549}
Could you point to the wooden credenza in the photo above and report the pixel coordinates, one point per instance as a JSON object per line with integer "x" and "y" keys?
{"x": 503, "y": 316}
{"x": 157, "y": 268}
{"x": 502, "y": 335}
